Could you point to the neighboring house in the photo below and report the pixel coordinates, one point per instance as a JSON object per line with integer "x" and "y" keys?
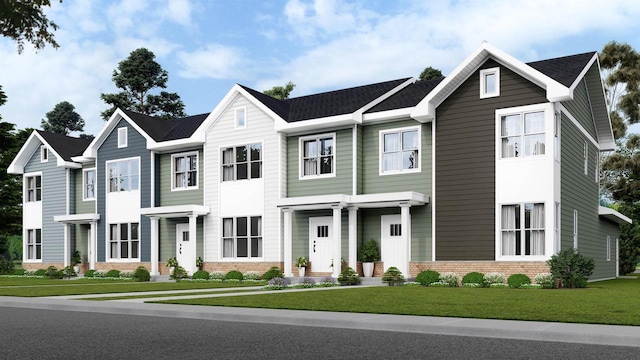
{"x": 493, "y": 168}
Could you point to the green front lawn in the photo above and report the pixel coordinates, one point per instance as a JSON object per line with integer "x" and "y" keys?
{"x": 606, "y": 302}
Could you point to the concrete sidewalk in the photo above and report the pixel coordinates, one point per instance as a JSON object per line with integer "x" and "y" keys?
{"x": 525, "y": 330}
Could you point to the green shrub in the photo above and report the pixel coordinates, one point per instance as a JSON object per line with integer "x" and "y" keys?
{"x": 252, "y": 275}
{"x": 141, "y": 274}
{"x": 545, "y": 280}
{"x": 272, "y": 273}
{"x": 201, "y": 274}
{"x": 449, "y": 278}
{"x": 233, "y": 275}
{"x": 571, "y": 268}
{"x": 393, "y": 276}
{"x": 179, "y": 273}
{"x": 473, "y": 278}
{"x": 517, "y": 280}
{"x": 19, "y": 272}
{"x": 53, "y": 273}
{"x": 40, "y": 272}
{"x": 217, "y": 275}
{"x": 90, "y": 273}
{"x": 68, "y": 272}
{"x": 427, "y": 277}
{"x": 6, "y": 266}
{"x": 348, "y": 276}
{"x": 113, "y": 273}
{"x": 494, "y": 278}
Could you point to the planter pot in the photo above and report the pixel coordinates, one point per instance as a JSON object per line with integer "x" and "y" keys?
{"x": 367, "y": 269}
{"x": 301, "y": 271}
{"x": 171, "y": 269}
{"x": 76, "y": 268}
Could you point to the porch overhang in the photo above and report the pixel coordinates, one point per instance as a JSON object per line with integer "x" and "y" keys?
{"x": 175, "y": 211}
{"x": 77, "y": 218}
{"x": 382, "y": 200}
{"x": 613, "y": 215}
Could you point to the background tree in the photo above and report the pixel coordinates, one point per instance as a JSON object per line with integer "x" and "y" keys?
{"x": 137, "y": 75}
{"x": 621, "y": 169}
{"x": 281, "y": 92}
{"x": 25, "y": 21}
{"x": 63, "y": 119}
{"x": 429, "y": 73}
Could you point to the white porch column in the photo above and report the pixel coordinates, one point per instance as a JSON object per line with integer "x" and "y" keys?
{"x": 154, "y": 245}
{"x": 67, "y": 245}
{"x": 353, "y": 237}
{"x": 337, "y": 240}
{"x": 405, "y": 220}
{"x": 92, "y": 245}
{"x": 288, "y": 242}
{"x": 193, "y": 221}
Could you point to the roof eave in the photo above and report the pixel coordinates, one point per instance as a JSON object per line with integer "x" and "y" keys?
{"x": 613, "y": 215}
{"x": 316, "y": 124}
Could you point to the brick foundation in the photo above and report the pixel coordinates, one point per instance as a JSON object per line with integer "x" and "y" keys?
{"x": 103, "y": 266}
{"x": 508, "y": 268}
{"x": 243, "y": 267}
{"x": 38, "y": 266}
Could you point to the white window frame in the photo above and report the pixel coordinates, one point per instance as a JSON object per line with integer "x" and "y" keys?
{"x": 575, "y": 229}
{"x": 108, "y": 180}
{"x": 483, "y": 82}
{"x": 522, "y": 230}
{"x": 236, "y": 119}
{"x": 521, "y": 112}
{"x": 399, "y": 131}
{"x": 35, "y": 188}
{"x": 234, "y": 163}
{"x": 85, "y": 185}
{"x": 317, "y": 138}
{"x": 32, "y": 241}
{"x": 557, "y": 123}
{"x": 597, "y": 167}
{"x": 608, "y": 248}
{"x": 118, "y": 243}
{"x": 185, "y": 155}
{"x": 585, "y": 156}
{"x": 44, "y": 154}
{"x": 556, "y": 226}
{"x": 234, "y": 237}
{"x": 123, "y": 137}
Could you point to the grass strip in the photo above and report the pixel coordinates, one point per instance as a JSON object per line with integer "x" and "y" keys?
{"x": 163, "y": 295}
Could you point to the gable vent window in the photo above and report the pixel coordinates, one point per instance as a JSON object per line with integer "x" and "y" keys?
{"x": 489, "y": 83}
{"x": 241, "y": 118}
{"x": 122, "y": 137}
{"x": 44, "y": 154}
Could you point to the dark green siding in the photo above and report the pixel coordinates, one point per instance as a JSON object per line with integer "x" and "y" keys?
{"x": 580, "y": 108}
{"x": 82, "y": 206}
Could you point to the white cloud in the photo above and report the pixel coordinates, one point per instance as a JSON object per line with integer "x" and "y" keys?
{"x": 213, "y": 61}
{"x": 179, "y": 11}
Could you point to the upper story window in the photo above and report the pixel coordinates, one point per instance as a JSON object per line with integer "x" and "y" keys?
{"x": 34, "y": 188}
{"x": 124, "y": 175}
{"x": 522, "y": 229}
{"x": 400, "y": 150}
{"x": 317, "y": 155}
{"x": 89, "y": 184}
{"x": 185, "y": 170}
{"x": 489, "y": 83}
{"x": 242, "y": 162}
{"x": 44, "y": 153}
{"x": 522, "y": 134}
{"x": 241, "y": 118}
{"x": 122, "y": 137}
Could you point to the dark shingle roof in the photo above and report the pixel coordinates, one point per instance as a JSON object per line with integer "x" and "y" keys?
{"x": 564, "y": 70}
{"x": 65, "y": 146}
{"x": 167, "y": 129}
{"x": 338, "y": 102}
{"x": 408, "y": 97}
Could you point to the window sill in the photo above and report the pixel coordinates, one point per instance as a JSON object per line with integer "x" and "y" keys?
{"x": 314, "y": 177}
{"x": 399, "y": 172}
{"x": 185, "y": 188}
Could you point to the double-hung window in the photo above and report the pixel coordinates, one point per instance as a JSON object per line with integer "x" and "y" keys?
{"x": 317, "y": 155}
{"x": 522, "y": 229}
{"x": 522, "y": 134}
{"x": 124, "y": 175}
{"x": 400, "y": 150}
{"x": 34, "y": 244}
{"x": 89, "y": 184}
{"x": 185, "y": 170}
{"x": 124, "y": 241}
{"x": 242, "y": 237}
{"x": 242, "y": 162}
{"x": 34, "y": 188}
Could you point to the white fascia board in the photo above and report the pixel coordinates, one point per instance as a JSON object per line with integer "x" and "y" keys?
{"x": 82, "y": 159}
{"x": 409, "y": 197}
{"x": 387, "y": 115}
{"x": 314, "y": 202}
{"x": 77, "y": 218}
{"x": 70, "y": 164}
{"x": 357, "y": 115}
{"x": 608, "y": 146}
{"x": 316, "y": 124}
{"x": 92, "y": 149}
{"x": 176, "y": 210}
{"x": 613, "y": 215}
{"x": 193, "y": 141}
{"x": 25, "y": 153}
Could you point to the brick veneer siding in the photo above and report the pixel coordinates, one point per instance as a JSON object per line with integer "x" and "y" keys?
{"x": 508, "y": 268}
{"x": 243, "y": 267}
{"x": 38, "y": 266}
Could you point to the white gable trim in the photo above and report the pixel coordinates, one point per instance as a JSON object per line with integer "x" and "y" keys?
{"x": 33, "y": 143}
{"x": 92, "y": 149}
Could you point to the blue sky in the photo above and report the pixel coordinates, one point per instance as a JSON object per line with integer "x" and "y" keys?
{"x": 207, "y": 46}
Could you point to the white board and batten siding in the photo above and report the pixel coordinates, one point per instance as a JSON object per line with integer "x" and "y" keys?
{"x": 254, "y": 197}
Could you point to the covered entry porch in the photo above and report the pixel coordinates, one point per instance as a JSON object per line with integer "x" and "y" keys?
{"x": 89, "y": 220}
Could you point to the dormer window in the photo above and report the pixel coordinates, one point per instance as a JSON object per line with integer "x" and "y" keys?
{"x": 122, "y": 137}
{"x": 44, "y": 153}
{"x": 241, "y": 118}
{"x": 489, "y": 83}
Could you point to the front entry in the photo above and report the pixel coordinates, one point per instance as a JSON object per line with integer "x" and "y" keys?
{"x": 320, "y": 236}
{"x": 185, "y": 248}
{"x": 394, "y": 245}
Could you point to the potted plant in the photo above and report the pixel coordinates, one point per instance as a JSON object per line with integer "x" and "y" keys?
{"x": 76, "y": 260}
{"x": 172, "y": 263}
{"x": 369, "y": 254}
{"x": 301, "y": 263}
{"x": 199, "y": 263}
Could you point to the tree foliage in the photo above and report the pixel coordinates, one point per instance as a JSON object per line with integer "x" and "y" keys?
{"x": 281, "y": 92}
{"x": 25, "y": 21}
{"x": 429, "y": 73}
{"x": 137, "y": 76}
{"x": 63, "y": 119}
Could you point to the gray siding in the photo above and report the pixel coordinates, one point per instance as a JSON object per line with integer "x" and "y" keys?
{"x": 465, "y": 164}
{"x": 359, "y": 161}
{"x": 342, "y": 183}
{"x": 580, "y": 108}
{"x": 54, "y": 202}
{"x": 181, "y": 197}
{"x": 109, "y": 151}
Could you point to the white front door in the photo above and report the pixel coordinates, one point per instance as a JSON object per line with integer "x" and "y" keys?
{"x": 394, "y": 245}
{"x": 185, "y": 248}
{"x": 320, "y": 237}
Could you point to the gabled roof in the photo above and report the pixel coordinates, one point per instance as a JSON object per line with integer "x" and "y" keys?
{"x": 61, "y": 146}
{"x": 565, "y": 70}
{"x": 410, "y": 96}
{"x": 167, "y": 129}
